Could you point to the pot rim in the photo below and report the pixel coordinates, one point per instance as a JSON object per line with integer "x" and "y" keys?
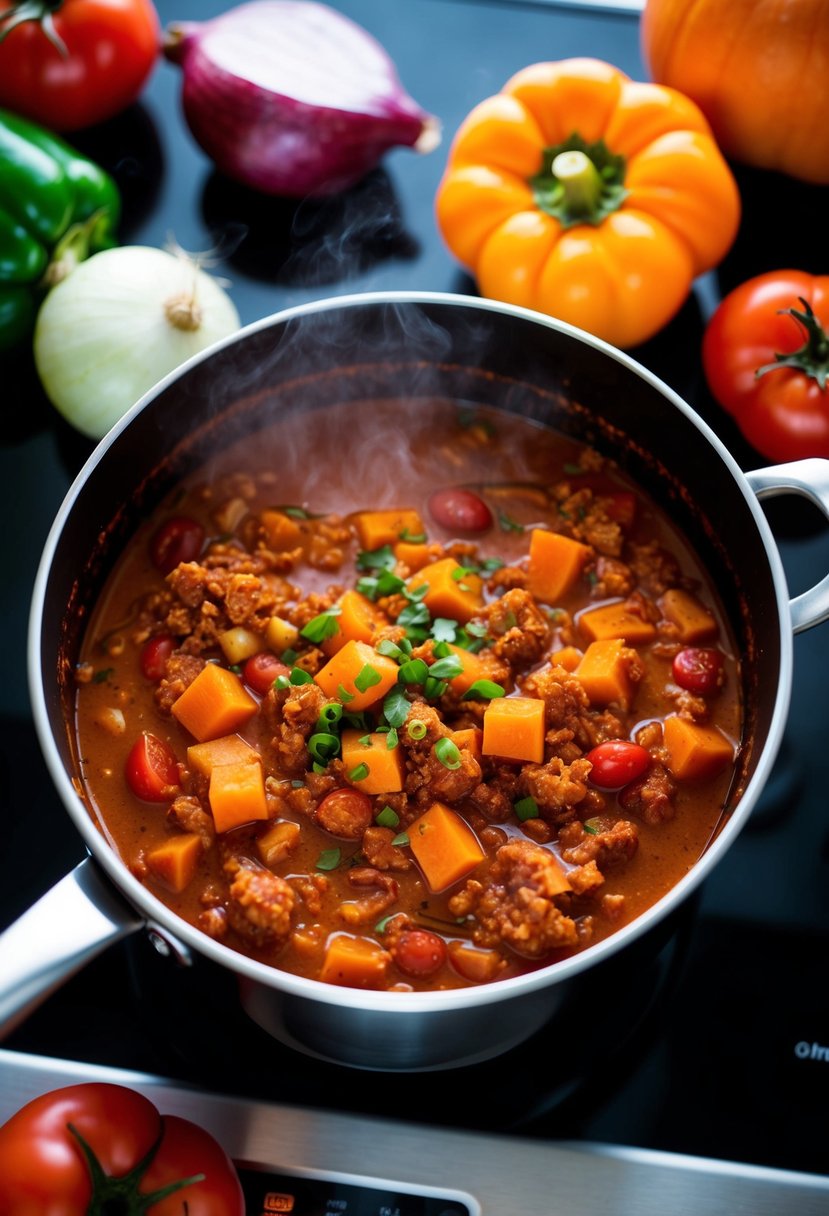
{"x": 158, "y": 915}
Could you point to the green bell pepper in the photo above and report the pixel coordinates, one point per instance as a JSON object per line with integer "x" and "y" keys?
{"x": 56, "y": 208}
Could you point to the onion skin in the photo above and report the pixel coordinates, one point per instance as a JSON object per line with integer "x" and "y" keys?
{"x": 292, "y": 98}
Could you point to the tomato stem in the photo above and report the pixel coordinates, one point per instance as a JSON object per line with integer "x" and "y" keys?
{"x": 40, "y": 11}
{"x": 121, "y": 1196}
{"x": 812, "y": 358}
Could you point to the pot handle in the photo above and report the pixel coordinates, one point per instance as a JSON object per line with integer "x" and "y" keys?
{"x": 810, "y": 479}
{"x": 67, "y": 927}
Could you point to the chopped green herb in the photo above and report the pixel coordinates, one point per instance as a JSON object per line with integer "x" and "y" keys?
{"x": 446, "y": 668}
{"x": 288, "y": 657}
{"x": 359, "y": 772}
{"x": 508, "y": 524}
{"x": 574, "y": 470}
{"x": 415, "y": 619}
{"x": 413, "y": 671}
{"x": 396, "y": 706}
{"x": 329, "y": 859}
{"x": 591, "y": 826}
{"x": 387, "y": 818}
{"x": 366, "y": 678}
{"x": 448, "y": 753}
{"x": 390, "y": 649}
{"x": 413, "y": 538}
{"x": 103, "y": 675}
{"x": 344, "y": 695}
{"x": 483, "y": 690}
{"x": 380, "y": 927}
{"x": 391, "y": 740}
{"x": 376, "y": 559}
{"x": 296, "y": 512}
{"x": 296, "y": 676}
{"x": 323, "y": 626}
{"x": 526, "y": 808}
{"x": 444, "y": 629}
{"x": 401, "y": 840}
{"x": 434, "y": 689}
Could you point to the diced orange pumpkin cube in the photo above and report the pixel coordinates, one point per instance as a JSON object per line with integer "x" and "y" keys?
{"x": 378, "y": 528}
{"x": 414, "y": 555}
{"x": 471, "y": 738}
{"x": 477, "y": 966}
{"x": 568, "y": 657}
{"x": 216, "y": 703}
{"x": 175, "y": 862}
{"x": 237, "y": 795}
{"x": 347, "y": 674}
{"x": 228, "y": 749}
{"x": 692, "y": 619}
{"x": 278, "y": 842}
{"x": 555, "y": 563}
{"x": 281, "y": 532}
{"x": 358, "y": 620}
{"x": 475, "y": 667}
{"x": 514, "y": 729}
{"x": 355, "y": 962}
{"x": 695, "y": 752}
{"x": 444, "y": 846}
{"x": 603, "y": 673}
{"x": 616, "y": 621}
{"x": 454, "y": 592}
{"x": 385, "y": 764}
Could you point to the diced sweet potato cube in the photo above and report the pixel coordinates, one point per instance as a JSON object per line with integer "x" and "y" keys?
{"x": 228, "y": 749}
{"x": 278, "y": 842}
{"x": 695, "y": 752}
{"x": 692, "y": 619}
{"x": 349, "y": 676}
{"x": 444, "y": 846}
{"x": 413, "y": 554}
{"x": 477, "y": 966}
{"x": 281, "y": 532}
{"x": 216, "y": 703}
{"x": 514, "y": 729}
{"x": 568, "y": 657}
{"x": 175, "y": 862}
{"x": 358, "y": 621}
{"x": 555, "y": 563}
{"x": 454, "y": 592}
{"x": 237, "y": 795}
{"x": 616, "y": 621}
{"x": 378, "y": 528}
{"x": 475, "y": 667}
{"x": 385, "y": 764}
{"x": 355, "y": 962}
{"x": 471, "y": 737}
{"x": 603, "y": 673}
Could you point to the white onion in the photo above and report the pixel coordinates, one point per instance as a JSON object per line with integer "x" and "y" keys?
{"x": 118, "y": 324}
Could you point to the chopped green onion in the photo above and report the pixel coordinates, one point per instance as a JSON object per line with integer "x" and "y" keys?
{"x": 323, "y": 746}
{"x": 359, "y": 772}
{"x": 575, "y": 470}
{"x": 329, "y": 715}
{"x": 296, "y": 512}
{"x": 483, "y": 690}
{"x": 416, "y": 729}
{"x": 413, "y": 538}
{"x": 401, "y": 839}
{"x": 288, "y": 657}
{"x": 295, "y": 677}
{"x": 344, "y": 695}
{"x": 446, "y": 668}
{"x": 508, "y": 524}
{"x": 448, "y": 754}
{"x": 323, "y": 626}
{"x": 387, "y": 818}
{"x": 103, "y": 675}
{"x": 433, "y": 689}
{"x": 526, "y": 808}
{"x": 413, "y": 671}
{"x": 329, "y": 859}
{"x": 380, "y": 927}
{"x": 591, "y": 826}
{"x": 390, "y": 649}
{"x": 415, "y": 619}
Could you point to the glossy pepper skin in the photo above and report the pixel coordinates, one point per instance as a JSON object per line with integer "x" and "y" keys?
{"x": 588, "y": 196}
{"x": 56, "y": 208}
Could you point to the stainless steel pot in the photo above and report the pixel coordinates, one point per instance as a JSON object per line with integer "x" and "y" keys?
{"x": 396, "y": 345}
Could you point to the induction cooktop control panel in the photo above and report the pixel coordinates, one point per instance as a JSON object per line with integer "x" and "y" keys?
{"x": 272, "y": 1193}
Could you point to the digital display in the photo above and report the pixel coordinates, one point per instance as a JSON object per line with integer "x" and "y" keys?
{"x": 272, "y": 1194}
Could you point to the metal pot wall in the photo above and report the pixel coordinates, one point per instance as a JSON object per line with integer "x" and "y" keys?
{"x": 396, "y": 345}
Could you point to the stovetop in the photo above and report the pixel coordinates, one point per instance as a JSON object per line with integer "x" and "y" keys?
{"x": 720, "y": 1049}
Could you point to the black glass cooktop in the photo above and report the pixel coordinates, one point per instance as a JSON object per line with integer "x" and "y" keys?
{"x": 717, "y": 1047}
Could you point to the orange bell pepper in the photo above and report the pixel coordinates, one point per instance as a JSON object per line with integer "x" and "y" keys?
{"x": 588, "y": 196}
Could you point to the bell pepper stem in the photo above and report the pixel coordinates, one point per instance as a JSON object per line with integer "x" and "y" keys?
{"x": 580, "y": 181}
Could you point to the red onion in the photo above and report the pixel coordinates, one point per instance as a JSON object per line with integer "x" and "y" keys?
{"x": 292, "y": 98}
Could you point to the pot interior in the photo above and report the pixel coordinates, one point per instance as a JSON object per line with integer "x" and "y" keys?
{"x": 368, "y": 348}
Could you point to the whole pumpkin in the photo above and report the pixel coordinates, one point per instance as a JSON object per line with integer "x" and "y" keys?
{"x": 758, "y": 70}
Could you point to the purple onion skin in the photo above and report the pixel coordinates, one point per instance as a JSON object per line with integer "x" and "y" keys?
{"x": 292, "y": 98}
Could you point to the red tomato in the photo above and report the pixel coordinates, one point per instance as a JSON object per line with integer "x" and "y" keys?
{"x": 154, "y": 655}
{"x": 151, "y": 769}
{"x": 344, "y": 812}
{"x": 179, "y": 539}
{"x": 783, "y": 412}
{"x": 460, "y": 510}
{"x": 109, "y": 49}
{"x": 260, "y": 671}
{"x": 418, "y": 952}
{"x": 43, "y": 1171}
{"x": 617, "y": 763}
{"x": 699, "y": 669}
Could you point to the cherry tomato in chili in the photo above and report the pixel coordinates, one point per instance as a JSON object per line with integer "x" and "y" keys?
{"x": 43, "y": 1168}
{"x": 345, "y": 812}
{"x": 766, "y": 361}
{"x": 154, "y": 655}
{"x": 460, "y": 510}
{"x": 260, "y": 671}
{"x": 699, "y": 669}
{"x": 93, "y": 67}
{"x": 419, "y": 952}
{"x": 151, "y": 769}
{"x": 179, "y": 539}
{"x": 617, "y": 763}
